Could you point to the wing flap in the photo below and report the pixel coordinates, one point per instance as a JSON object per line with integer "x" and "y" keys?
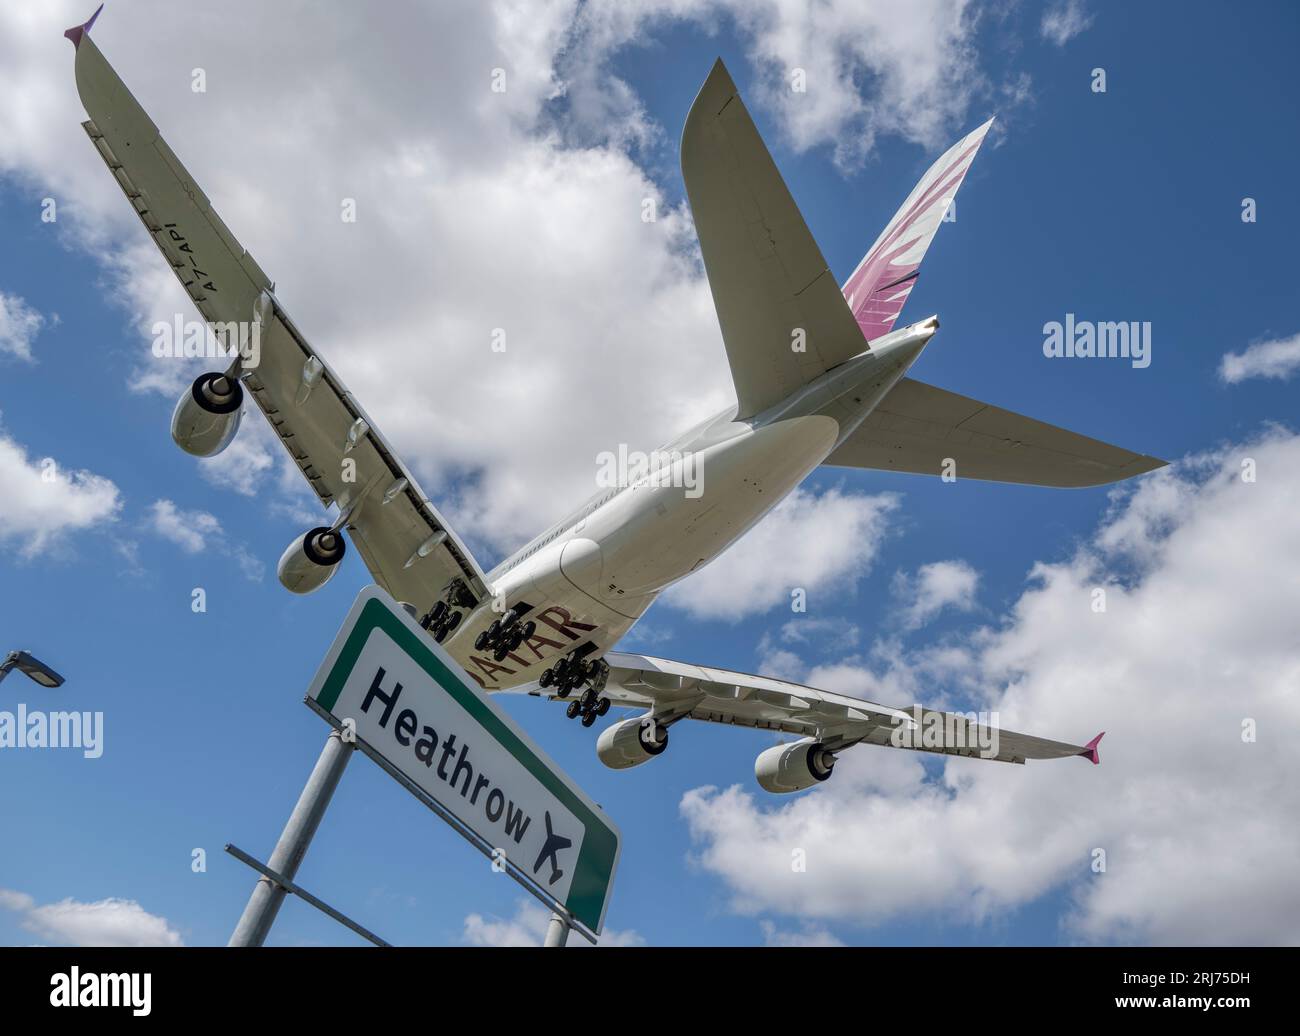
{"x": 917, "y": 428}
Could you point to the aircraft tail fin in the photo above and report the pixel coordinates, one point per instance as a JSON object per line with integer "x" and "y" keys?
{"x": 878, "y": 288}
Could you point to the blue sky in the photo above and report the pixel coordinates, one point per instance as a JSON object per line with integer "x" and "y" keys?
{"x": 1124, "y": 205}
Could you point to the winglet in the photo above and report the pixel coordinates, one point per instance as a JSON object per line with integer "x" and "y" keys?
{"x": 77, "y": 31}
{"x": 1090, "y": 751}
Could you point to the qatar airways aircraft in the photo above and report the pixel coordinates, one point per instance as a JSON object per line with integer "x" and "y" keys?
{"x": 820, "y": 375}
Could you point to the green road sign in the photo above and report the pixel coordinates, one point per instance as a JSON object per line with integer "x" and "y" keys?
{"x": 415, "y": 712}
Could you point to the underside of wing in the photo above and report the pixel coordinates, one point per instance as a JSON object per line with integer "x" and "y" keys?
{"x": 827, "y": 723}
{"x": 767, "y": 275}
{"x": 404, "y": 541}
{"x": 929, "y": 431}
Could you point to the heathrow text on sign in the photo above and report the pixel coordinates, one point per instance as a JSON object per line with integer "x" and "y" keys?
{"x": 411, "y": 708}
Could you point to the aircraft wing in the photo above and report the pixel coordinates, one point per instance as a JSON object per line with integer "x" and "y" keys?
{"x": 676, "y": 690}
{"x": 407, "y": 545}
{"x": 917, "y": 427}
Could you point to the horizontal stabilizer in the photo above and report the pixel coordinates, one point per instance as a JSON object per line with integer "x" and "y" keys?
{"x": 929, "y": 431}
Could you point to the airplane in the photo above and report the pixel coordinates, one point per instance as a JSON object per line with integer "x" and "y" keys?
{"x": 553, "y": 844}
{"x": 545, "y": 620}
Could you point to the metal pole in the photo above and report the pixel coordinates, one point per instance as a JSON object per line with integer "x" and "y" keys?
{"x": 557, "y": 932}
{"x": 267, "y": 896}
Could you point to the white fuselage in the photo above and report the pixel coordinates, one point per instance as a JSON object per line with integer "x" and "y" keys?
{"x": 589, "y": 578}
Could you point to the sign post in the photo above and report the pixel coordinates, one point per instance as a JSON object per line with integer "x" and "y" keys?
{"x": 391, "y": 691}
{"x": 267, "y": 895}
{"x": 557, "y": 931}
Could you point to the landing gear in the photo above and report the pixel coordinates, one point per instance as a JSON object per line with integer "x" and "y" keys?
{"x": 445, "y": 615}
{"x": 570, "y": 673}
{"x": 505, "y": 635}
{"x": 441, "y": 620}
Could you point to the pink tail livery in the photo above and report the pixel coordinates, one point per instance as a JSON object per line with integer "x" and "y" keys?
{"x": 877, "y": 289}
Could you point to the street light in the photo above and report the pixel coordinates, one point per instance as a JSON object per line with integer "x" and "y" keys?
{"x": 33, "y": 667}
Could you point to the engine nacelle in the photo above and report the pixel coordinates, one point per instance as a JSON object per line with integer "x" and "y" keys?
{"x": 206, "y": 418}
{"x": 310, "y": 560}
{"x": 786, "y": 768}
{"x": 631, "y": 743}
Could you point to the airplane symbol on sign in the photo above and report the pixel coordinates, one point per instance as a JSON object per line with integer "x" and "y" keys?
{"x": 554, "y": 843}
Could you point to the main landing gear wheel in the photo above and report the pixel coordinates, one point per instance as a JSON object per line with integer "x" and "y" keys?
{"x": 505, "y": 635}
{"x": 441, "y": 620}
{"x": 570, "y": 673}
{"x": 448, "y": 625}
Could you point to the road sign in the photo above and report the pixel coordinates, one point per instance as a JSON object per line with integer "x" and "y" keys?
{"x": 414, "y": 711}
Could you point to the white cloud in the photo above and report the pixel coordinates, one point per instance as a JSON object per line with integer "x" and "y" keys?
{"x": 934, "y": 587}
{"x": 822, "y": 544}
{"x": 19, "y": 326}
{"x": 189, "y": 530}
{"x": 1064, "y": 20}
{"x": 45, "y": 502}
{"x": 196, "y": 531}
{"x": 917, "y": 62}
{"x": 1278, "y": 358}
{"x": 106, "y": 922}
{"x": 833, "y": 633}
{"x": 528, "y": 928}
{"x": 1198, "y": 638}
{"x": 245, "y": 464}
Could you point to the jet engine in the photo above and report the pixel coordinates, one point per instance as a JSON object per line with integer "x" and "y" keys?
{"x": 207, "y": 416}
{"x": 793, "y": 767}
{"x": 310, "y": 560}
{"x": 631, "y": 742}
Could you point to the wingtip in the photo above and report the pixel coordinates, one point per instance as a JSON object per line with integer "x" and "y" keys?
{"x": 1090, "y": 750}
{"x": 714, "y": 94}
{"x": 77, "y": 32}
